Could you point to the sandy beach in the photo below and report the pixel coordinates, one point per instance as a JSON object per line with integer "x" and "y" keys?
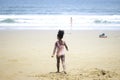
{"x": 26, "y": 55}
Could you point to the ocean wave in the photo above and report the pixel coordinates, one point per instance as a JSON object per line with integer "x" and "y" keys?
{"x": 60, "y": 21}
{"x": 106, "y": 22}
{"x": 8, "y": 20}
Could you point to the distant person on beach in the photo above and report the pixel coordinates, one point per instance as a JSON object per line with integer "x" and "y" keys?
{"x": 59, "y": 50}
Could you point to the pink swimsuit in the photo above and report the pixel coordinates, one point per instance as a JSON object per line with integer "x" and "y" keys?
{"x": 60, "y": 48}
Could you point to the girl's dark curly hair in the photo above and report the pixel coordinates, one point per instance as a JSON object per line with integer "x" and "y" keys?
{"x": 60, "y": 34}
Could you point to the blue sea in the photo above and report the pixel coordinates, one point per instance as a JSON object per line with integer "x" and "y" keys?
{"x": 59, "y": 14}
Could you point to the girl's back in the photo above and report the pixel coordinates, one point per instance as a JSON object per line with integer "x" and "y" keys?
{"x": 60, "y": 47}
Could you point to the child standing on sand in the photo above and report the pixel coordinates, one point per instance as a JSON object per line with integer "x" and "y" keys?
{"x": 59, "y": 50}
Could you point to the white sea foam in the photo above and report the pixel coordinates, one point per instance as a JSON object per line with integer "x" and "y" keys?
{"x": 60, "y": 22}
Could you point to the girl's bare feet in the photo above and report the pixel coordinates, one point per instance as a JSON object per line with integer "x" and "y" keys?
{"x": 57, "y": 72}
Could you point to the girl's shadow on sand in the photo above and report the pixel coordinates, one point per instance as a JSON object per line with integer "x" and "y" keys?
{"x": 57, "y": 72}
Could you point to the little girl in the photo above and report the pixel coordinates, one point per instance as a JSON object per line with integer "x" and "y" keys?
{"x": 59, "y": 50}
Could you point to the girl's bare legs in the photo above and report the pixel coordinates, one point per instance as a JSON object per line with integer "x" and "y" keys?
{"x": 63, "y": 63}
{"x": 58, "y": 64}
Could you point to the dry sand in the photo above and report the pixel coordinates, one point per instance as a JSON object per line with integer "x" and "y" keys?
{"x": 26, "y": 55}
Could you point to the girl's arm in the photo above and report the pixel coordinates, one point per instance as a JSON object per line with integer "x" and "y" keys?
{"x": 66, "y": 46}
{"x": 54, "y": 50}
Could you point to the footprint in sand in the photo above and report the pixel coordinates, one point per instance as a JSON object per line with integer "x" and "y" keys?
{"x": 13, "y": 60}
